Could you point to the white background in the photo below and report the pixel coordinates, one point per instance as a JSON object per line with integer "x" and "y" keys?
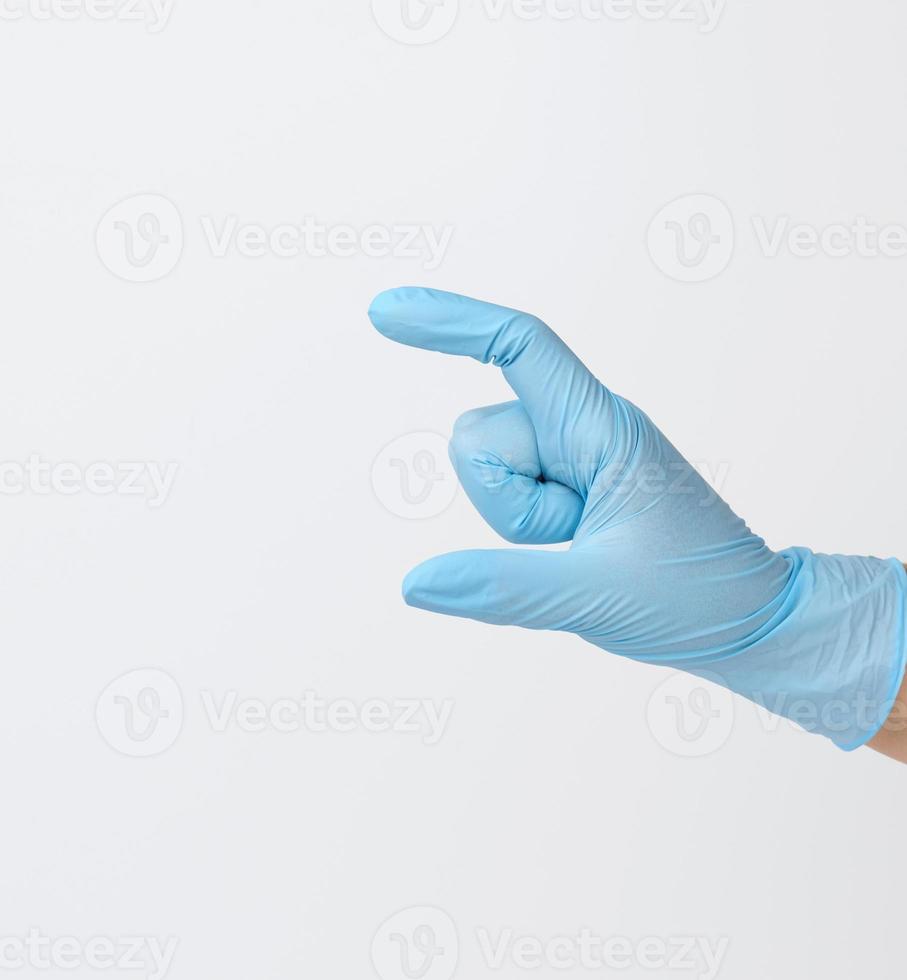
{"x": 273, "y": 568}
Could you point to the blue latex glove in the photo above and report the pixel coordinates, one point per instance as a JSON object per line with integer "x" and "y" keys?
{"x": 660, "y": 569}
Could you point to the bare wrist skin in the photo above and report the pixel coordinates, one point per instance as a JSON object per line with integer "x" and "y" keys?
{"x": 892, "y": 737}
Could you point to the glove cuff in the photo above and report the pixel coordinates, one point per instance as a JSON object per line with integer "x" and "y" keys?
{"x": 832, "y": 659}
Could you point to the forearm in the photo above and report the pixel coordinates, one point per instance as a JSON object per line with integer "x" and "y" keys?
{"x": 892, "y": 738}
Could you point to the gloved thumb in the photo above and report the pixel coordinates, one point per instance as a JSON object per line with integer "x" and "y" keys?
{"x": 539, "y": 590}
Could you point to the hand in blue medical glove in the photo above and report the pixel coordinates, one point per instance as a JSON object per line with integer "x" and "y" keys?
{"x": 660, "y": 569}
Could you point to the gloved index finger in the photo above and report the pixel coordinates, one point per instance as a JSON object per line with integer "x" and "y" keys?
{"x": 554, "y": 386}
